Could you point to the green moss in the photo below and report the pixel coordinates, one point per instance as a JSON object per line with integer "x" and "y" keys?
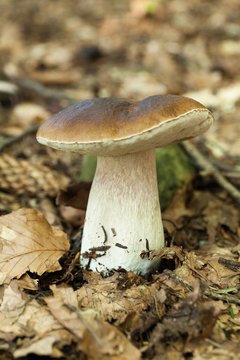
{"x": 88, "y": 168}
{"x": 173, "y": 169}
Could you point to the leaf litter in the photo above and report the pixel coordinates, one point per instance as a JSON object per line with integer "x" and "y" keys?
{"x": 125, "y": 315}
{"x": 190, "y": 309}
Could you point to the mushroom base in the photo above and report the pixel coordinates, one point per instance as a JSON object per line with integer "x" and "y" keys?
{"x": 123, "y": 220}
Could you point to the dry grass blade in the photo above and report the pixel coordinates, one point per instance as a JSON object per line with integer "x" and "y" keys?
{"x": 74, "y": 309}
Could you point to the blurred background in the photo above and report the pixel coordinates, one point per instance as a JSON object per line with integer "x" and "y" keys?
{"x": 127, "y": 48}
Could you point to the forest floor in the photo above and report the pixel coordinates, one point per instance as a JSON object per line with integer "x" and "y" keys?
{"x": 54, "y": 53}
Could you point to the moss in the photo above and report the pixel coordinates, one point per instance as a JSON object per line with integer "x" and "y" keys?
{"x": 173, "y": 170}
{"x": 88, "y": 168}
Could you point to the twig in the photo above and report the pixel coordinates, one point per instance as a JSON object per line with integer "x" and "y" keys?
{"x": 213, "y": 295}
{"x": 75, "y": 310}
{"x": 15, "y": 139}
{"x": 235, "y": 174}
{"x": 225, "y": 167}
{"x": 42, "y": 90}
{"x": 223, "y": 297}
{"x": 105, "y": 234}
{"x": 230, "y": 264}
{"x": 214, "y": 144}
{"x": 177, "y": 279}
{"x": 207, "y": 166}
{"x": 121, "y": 246}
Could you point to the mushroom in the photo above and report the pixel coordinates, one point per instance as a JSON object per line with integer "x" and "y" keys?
{"x": 123, "y": 219}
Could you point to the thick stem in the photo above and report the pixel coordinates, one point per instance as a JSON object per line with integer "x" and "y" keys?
{"x": 123, "y": 215}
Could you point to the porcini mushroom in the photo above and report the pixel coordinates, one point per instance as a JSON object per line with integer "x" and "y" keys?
{"x": 123, "y": 220}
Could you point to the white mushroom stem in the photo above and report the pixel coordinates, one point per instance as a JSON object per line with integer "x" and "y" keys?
{"x": 123, "y": 216}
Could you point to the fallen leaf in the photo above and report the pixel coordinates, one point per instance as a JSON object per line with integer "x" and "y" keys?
{"x": 73, "y": 216}
{"x": 50, "y": 212}
{"x": 219, "y": 214}
{"x": 29, "y": 243}
{"x": 98, "y": 339}
{"x": 14, "y": 314}
{"x": 4, "y": 278}
{"x": 14, "y": 301}
{"x": 189, "y": 319}
{"x": 26, "y": 282}
{"x": 75, "y": 195}
{"x": 104, "y": 296}
{"x": 22, "y": 317}
{"x": 44, "y": 346}
{"x": 25, "y": 114}
{"x": 177, "y": 211}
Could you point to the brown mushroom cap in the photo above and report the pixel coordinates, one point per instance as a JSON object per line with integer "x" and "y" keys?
{"x": 109, "y": 126}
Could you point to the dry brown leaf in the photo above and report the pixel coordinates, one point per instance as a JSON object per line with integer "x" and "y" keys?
{"x": 29, "y": 243}
{"x": 194, "y": 220}
{"x": 14, "y": 301}
{"x": 75, "y": 195}
{"x": 4, "y": 278}
{"x": 104, "y": 296}
{"x": 26, "y": 282}
{"x": 66, "y": 318}
{"x": 204, "y": 264}
{"x": 216, "y": 273}
{"x": 25, "y": 114}
{"x": 177, "y": 210}
{"x": 43, "y": 346}
{"x": 48, "y": 208}
{"x": 189, "y": 318}
{"x": 98, "y": 339}
{"x": 114, "y": 345}
{"x": 73, "y": 216}
{"x": 21, "y": 317}
{"x": 14, "y": 314}
{"x": 217, "y": 214}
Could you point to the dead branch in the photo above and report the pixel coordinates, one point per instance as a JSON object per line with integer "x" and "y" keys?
{"x": 210, "y": 169}
{"x": 43, "y": 91}
{"x": 14, "y": 139}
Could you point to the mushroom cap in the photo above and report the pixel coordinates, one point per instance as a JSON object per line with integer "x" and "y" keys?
{"x": 112, "y": 127}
